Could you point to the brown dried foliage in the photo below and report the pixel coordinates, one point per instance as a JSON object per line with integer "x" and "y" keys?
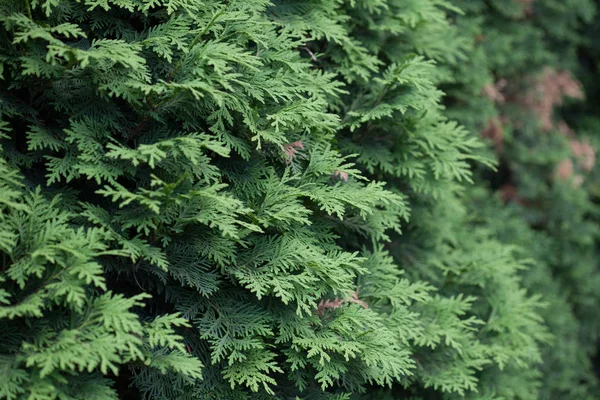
{"x": 584, "y": 153}
{"x": 337, "y": 303}
{"x": 547, "y": 92}
{"x": 291, "y": 149}
{"x": 341, "y": 175}
{"x": 493, "y": 91}
{"x": 495, "y": 132}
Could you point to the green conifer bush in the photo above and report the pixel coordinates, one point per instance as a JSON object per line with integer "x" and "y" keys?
{"x": 529, "y": 102}
{"x": 252, "y": 199}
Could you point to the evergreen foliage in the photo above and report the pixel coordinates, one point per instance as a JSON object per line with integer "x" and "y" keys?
{"x": 531, "y": 108}
{"x": 252, "y": 199}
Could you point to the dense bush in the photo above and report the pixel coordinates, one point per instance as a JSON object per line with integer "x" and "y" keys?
{"x": 532, "y": 111}
{"x": 245, "y": 199}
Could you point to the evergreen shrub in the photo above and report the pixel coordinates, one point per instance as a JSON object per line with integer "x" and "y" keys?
{"x": 246, "y": 199}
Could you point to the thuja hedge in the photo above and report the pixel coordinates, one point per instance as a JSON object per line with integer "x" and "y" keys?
{"x": 248, "y": 199}
{"x": 538, "y": 63}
